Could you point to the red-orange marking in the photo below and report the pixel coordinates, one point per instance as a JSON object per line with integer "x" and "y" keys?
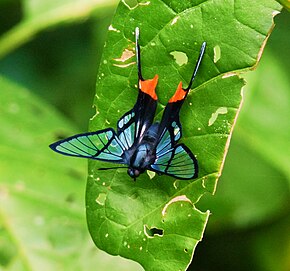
{"x": 179, "y": 94}
{"x": 148, "y": 86}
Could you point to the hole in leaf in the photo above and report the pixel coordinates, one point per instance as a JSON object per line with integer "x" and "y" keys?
{"x": 175, "y": 184}
{"x": 174, "y": 20}
{"x": 152, "y": 232}
{"x": 101, "y": 198}
{"x": 217, "y": 53}
{"x": 180, "y": 57}
{"x": 220, "y": 110}
{"x": 127, "y": 54}
{"x": 131, "y": 4}
{"x": 186, "y": 250}
{"x": 151, "y": 174}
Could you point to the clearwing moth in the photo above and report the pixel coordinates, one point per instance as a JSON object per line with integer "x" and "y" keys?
{"x": 138, "y": 143}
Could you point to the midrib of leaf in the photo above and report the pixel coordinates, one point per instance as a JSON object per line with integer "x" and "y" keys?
{"x": 26, "y": 30}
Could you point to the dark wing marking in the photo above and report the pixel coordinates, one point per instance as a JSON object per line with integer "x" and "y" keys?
{"x": 102, "y": 145}
{"x": 177, "y": 162}
{"x": 170, "y": 129}
{"x": 169, "y": 136}
{"x": 133, "y": 124}
{"x": 172, "y": 109}
{"x": 127, "y": 129}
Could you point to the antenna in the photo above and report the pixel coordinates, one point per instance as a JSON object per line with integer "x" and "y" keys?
{"x": 201, "y": 53}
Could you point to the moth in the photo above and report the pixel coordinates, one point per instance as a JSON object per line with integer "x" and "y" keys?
{"x": 140, "y": 144}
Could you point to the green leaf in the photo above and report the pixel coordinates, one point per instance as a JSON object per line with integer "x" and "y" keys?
{"x": 41, "y": 15}
{"x": 42, "y": 222}
{"x": 154, "y": 221}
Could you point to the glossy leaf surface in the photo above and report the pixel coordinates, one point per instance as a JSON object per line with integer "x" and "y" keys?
{"x": 154, "y": 221}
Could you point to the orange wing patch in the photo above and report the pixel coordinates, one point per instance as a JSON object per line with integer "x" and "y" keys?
{"x": 148, "y": 86}
{"x": 179, "y": 94}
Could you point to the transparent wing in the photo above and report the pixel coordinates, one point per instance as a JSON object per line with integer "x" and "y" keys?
{"x": 177, "y": 162}
{"x": 101, "y": 145}
{"x": 133, "y": 124}
{"x": 169, "y": 137}
{"x": 127, "y": 129}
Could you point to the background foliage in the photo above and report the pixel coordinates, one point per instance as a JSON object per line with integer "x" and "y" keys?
{"x": 47, "y": 84}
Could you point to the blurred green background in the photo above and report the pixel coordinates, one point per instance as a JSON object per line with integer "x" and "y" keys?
{"x": 49, "y": 55}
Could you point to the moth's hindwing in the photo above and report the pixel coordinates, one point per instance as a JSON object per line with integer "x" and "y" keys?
{"x": 177, "y": 162}
{"x": 169, "y": 137}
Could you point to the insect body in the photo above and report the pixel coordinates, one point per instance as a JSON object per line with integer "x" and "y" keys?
{"x": 139, "y": 143}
